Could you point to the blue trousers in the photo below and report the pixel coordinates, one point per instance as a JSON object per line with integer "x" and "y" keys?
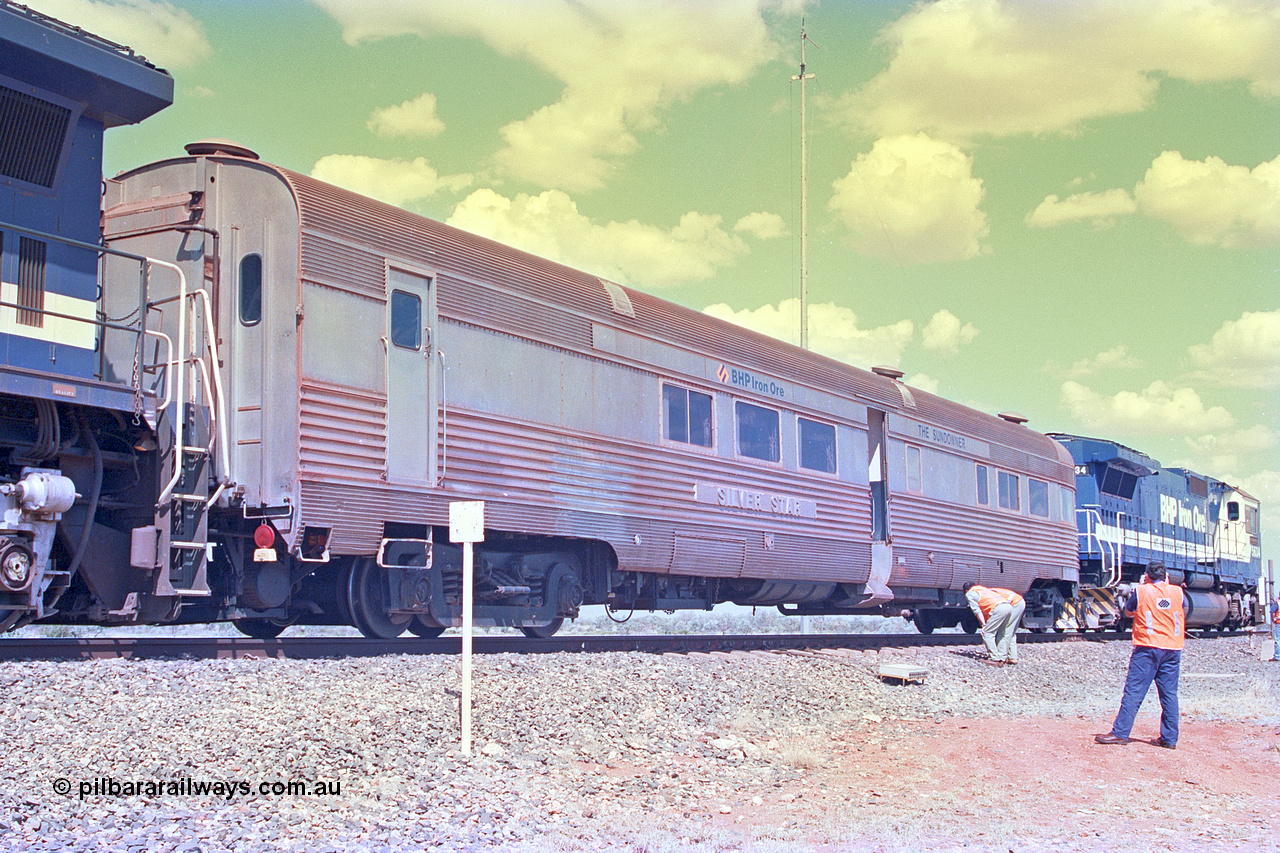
{"x": 1146, "y": 665}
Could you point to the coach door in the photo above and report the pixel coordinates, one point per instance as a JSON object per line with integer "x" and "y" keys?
{"x": 878, "y": 481}
{"x": 411, "y": 394}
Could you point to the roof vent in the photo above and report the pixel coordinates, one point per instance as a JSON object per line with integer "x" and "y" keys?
{"x": 887, "y": 372}
{"x": 222, "y": 147}
{"x": 618, "y": 299}
{"x": 1014, "y": 417}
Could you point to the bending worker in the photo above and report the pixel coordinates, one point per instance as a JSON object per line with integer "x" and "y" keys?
{"x": 1158, "y": 629}
{"x": 999, "y": 612}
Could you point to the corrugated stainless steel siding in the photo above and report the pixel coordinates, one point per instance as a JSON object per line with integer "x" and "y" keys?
{"x": 973, "y": 534}
{"x": 487, "y": 307}
{"x": 342, "y": 433}
{"x": 541, "y": 481}
{"x": 349, "y": 267}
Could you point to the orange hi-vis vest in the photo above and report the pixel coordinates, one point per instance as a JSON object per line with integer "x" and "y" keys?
{"x": 1158, "y": 621}
{"x": 989, "y": 598}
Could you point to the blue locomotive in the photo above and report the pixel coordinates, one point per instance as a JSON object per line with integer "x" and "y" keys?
{"x": 64, "y": 420}
{"x": 1131, "y": 510}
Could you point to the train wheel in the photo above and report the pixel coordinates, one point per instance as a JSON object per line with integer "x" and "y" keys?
{"x": 924, "y": 621}
{"x": 366, "y": 599}
{"x": 542, "y": 632}
{"x": 969, "y": 623}
{"x": 260, "y": 629}
{"x": 419, "y": 628}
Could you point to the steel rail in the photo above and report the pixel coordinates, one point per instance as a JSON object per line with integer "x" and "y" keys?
{"x": 303, "y": 648}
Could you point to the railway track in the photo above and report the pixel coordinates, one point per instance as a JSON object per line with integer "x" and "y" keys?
{"x": 299, "y": 648}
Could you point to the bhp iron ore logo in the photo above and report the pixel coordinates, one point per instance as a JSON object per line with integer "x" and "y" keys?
{"x": 748, "y": 380}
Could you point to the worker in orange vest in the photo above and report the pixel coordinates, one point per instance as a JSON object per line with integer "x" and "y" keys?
{"x": 1159, "y": 627}
{"x": 999, "y": 612}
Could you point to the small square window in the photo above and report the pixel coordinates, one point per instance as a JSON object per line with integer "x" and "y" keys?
{"x": 1038, "y": 497}
{"x": 817, "y": 446}
{"x": 1008, "y": 488}
{"x": 406, "y": 320}
{"x": 758, "y": 432}
{"x": 686, "y": 416}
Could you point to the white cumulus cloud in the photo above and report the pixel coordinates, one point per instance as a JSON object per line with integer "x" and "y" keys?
{"x": 1158, "y": 409}
{"x": 924, "y": 382}
{"x": 1116, "y": 358}
{"x": 912, "y": 199}
{"x": 1211, "y": 202}
{"x": 761, "y": 225}
{"x": 166, "y": 35}
{"x": 1100, "y": 208}
{"x": 945, "y": 333}
{"x": 621, "y": 64}
{"x": 550, "y": 225}
{"x": 970, "y": 68}
{"x": 393, "y": 181}
{"x": 1243, "y": 353}
{"x": 1226, "y": 453}
{"x": 416, "y": 117}
{"x": 833, "y": 330}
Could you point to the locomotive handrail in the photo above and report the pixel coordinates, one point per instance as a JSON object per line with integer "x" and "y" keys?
{"x": 212, "y": 378}
{"x": 168, "y": 387}
{"x": 141, "y": 329}
{"x": 179, "y": 392}
{"x": 1093, "y": 522}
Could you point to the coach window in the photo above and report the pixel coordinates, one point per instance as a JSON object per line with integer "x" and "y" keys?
{"x": 1008, "y": 491}
{"x": 758, "y": 432}
{"x": 983, "y": 498}
{"x": 817, "y": 446}
{"x": 1038, "y": 497}
{"x": 406, "y": 320}
{"x": 250, "y": 289}
{"x": 913, "y": 468}
{"x": 686, "y": 416}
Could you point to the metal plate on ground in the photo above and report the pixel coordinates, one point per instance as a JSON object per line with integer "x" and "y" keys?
{"x": 904, "y": 672}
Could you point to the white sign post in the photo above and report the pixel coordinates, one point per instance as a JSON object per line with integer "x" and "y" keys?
{"x": 466, "y": 525}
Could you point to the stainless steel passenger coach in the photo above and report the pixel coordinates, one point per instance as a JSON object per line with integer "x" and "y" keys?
{"x": 348, "y": 369}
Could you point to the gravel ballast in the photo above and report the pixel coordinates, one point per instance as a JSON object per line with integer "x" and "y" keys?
{"x": 572, "y": 752}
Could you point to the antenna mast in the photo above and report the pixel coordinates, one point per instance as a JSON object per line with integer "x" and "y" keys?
{"x": 804, "y": 195}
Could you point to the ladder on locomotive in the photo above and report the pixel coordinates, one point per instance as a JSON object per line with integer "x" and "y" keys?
{"x": 196, "y": 440}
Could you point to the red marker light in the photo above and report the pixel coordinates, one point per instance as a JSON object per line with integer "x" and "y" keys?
{"x": 264, "y": 536}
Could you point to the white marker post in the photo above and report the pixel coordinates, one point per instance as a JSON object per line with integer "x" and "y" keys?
{"x": 466, "y": 525}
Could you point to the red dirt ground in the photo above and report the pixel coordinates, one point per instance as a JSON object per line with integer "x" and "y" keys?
{"x": 1030, "y": 784}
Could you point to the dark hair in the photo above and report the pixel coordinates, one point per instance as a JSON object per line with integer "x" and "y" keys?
{"x": 968, "y": 586}
{"x": 1155, "y": 570}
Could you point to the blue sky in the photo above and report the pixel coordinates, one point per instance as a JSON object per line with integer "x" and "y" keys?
{"x": 1071, "y": 210}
